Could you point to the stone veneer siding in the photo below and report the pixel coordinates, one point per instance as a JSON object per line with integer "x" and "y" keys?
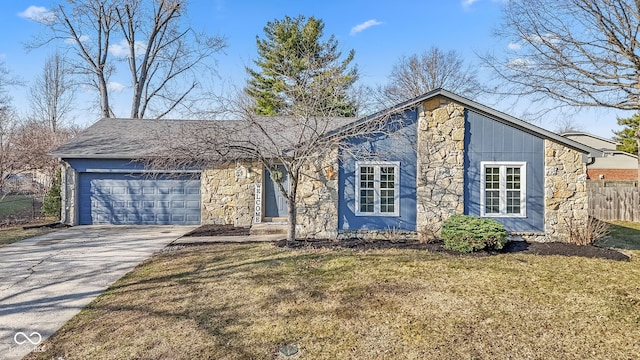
{"x": 440, "y": 164}
{"x": 565, "y": 197}
{"x": 228, "y": 196}
{"x": 68, "y": 195}
{"x": 228, "y": 193}
{"x": 317, "y": 198}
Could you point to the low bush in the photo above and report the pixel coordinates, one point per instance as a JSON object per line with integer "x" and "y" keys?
{"x": 464, "y": 233}
{"x": 586, "y": 234}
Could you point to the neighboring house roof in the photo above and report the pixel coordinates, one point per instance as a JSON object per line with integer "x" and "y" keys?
{"x": 591, "y": 140}
{"x": 139, "y": 138}
{"x": 485, "y": 110}
{"x": 613, "y": 159}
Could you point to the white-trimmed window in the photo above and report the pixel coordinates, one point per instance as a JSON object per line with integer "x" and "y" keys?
{"x": 503, "y": 189}
{"x": 377, "y": 188}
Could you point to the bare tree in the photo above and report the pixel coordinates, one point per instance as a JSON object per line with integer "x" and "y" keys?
{"x": 577, "y": 53}
{"x": 415, "y": 75}
{"x": 32, "y": 143}
{"x": 566, "y": 125}
{"x": 8, "y": 125}
{"x": 165, "y": 58}
{"x": 52, "y": 93}
{"x": 8, "y": 163}
{"x": 301, "y": 143}
{"x": 87, "y": 26}
{"x": 6, "y": 81}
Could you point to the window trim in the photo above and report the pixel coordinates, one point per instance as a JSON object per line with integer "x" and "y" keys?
{"x": 376, "y": 193}
{"x": 502, "y": 189}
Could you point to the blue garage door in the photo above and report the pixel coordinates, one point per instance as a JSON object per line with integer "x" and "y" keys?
{"x": 126, "y": 199}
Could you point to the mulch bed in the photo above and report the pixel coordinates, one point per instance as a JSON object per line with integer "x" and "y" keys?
{"x": 552, "y": 248}
{"x": 219, "y": 230}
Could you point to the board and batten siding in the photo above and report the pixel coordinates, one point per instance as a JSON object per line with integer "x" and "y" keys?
{"x": 399, "y": 146}
{"x": 489, "y": 140}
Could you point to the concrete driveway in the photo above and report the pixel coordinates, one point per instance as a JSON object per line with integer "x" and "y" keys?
{"x": 46, "y": 280}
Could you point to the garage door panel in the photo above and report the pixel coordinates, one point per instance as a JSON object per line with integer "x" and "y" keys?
{"x": 191, "y": 204}
{"x": 126, "y": 199}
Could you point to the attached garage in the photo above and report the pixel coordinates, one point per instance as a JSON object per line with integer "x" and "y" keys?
{"x": 138, "y": 199}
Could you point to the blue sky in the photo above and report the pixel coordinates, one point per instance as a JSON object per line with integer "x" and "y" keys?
{"x": 380, "y": 32}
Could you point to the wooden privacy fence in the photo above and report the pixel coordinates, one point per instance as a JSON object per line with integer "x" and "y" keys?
{"x": 614, "y": 201}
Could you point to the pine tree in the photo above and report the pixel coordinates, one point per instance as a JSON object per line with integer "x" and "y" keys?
{"x": 296, "y": 65}
{"x": 627, "y": 136}
{"x": 52, "y": 203}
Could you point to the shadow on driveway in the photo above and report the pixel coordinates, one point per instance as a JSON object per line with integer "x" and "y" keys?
{"x": 47, "y": 279}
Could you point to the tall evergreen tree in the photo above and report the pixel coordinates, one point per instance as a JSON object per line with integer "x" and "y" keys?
{"x": 294, "y": 64}
{"x": 627, "y": 136}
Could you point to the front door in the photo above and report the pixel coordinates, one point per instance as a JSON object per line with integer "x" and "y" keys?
{"x": 275, "y": 204}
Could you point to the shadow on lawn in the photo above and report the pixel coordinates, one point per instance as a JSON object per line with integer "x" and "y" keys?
{"x": 623, "y": 235}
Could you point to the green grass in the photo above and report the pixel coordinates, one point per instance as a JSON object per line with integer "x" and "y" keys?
{"x": 244, "y": 301}
{"x": 15, "y": 204}
{"x": 16, "y": 233}
{"x": 624, "y": 235}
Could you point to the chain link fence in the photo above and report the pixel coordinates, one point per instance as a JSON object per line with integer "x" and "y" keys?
{"x": 21, "y": 200}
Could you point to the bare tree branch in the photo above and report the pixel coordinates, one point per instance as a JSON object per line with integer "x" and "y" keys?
{"x": 578, "y": 53}
{"x": 165, "y": 58}
{"x": 52, "y": 93}
{"x": 417, "y": 74}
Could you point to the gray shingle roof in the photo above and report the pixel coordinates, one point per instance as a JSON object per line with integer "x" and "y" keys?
{"x": 139, "y": 138}
{"x": 114, "y": 138}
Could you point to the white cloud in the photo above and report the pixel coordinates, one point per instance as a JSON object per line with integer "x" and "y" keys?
{"x": 365, "y": 25}
{"x": 467, "y": 3}
{"x": 122, "y": 49}
{"x": 83, "y": 38}
{"x": 514, "y": 46}
{"x": 115, "y": 86}
{"x": 544, "y": 38}
{"x": 518, "y": 62}
{"x": 39, "y": 14}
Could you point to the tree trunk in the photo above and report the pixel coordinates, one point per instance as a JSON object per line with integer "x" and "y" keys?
{"x": 291, "y": 231}
{"x": 104, "y": 96}
{"x": 291, "y": 204}
{"x": 638, "y": 141}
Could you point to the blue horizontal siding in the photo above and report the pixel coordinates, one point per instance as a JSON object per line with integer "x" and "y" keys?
{"x": 489, "y": 140}
{"x": 400, "y": 146}
{"x": 84, "y": 165}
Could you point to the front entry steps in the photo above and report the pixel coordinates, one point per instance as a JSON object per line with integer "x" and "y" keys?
{"x": 269, "y": 228}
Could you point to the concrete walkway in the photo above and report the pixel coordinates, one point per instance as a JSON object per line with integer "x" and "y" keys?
{"x": 46, "y": 280}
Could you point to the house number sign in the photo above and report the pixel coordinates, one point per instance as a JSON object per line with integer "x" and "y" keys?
{"x": 257, "y": 212}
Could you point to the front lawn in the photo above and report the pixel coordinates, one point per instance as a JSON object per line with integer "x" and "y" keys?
{"x": 9, "y": 235}
{"x": 624, "y": 235}
{"x": 244, "y": 301}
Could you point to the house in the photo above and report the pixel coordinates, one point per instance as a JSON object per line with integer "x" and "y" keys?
{"x": 452, "y": 156}
{"x": 615, "y": 165}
